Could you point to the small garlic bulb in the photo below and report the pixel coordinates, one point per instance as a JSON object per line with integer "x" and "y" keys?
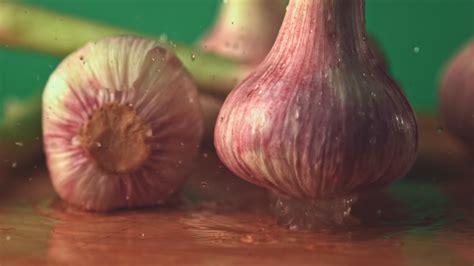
{"x": 245, "y": 29}
{"x": 122, "y": 124}
{"x": 457, "y": 94}
{"x": 319, "y": 119}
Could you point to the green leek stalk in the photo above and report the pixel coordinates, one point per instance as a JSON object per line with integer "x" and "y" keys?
{"x": 36, "y": 29}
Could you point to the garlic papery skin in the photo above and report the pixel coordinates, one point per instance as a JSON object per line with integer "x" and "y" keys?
{"x": 121, "y": 124}
{"x": 457, "y": 94}
{"x": 245, "y": 29}
{"x": 319, "y": 119}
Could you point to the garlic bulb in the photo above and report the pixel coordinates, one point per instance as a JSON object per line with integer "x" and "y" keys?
{"x": 319, "y": 119}
{"x": 122, "y": 124}
{"x": 457, "y": 92}
{"x": 246, "y": 29}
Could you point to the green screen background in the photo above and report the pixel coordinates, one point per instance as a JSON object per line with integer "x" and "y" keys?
{"x": 417, "y": 36}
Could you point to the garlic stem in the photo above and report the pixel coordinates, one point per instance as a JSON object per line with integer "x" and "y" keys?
{"x": 36, "y": 29}
{"x": 327, "y": 25}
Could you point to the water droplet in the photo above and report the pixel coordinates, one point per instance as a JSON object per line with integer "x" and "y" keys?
{"x": 191, "y": 99}
{"x": 416, "y": 49}
{"x": 14, "y": 165}
{"x": 205, "y": 155}
{"x": 181, "y": 143}
{"x": 204, "y": 184}
{"x": 98, "y": 144}
{"x": 364, "y": 38}
{"x": 373, "y": 140}
{"x": 75, "y": 141}
{"x": 130, "y": 105}
{"x": 440, "y": 129}
{"x": 180, "y": 162}
{"x": 373, "y": 94}
{"x": 364, "y": 74}
{"x": 149, "y": 133}
{"x": 20, "y": 144}
{"x": 297, "y": 114}
{"x": 8, "y": 238}
{"x": 293, "y": 227}
{"x": 247, "y": 239}
{"x": 193, "y": 56}
{"x": 127, "y": 197}
{"x": 143, "y": 235}
{"x": 163, "y": 37}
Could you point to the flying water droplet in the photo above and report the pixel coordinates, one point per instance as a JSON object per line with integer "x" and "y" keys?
{"x": 149, "y": 133}
{"x": 440, "y": 129}
{"x": 19, "y": 144}
{"x": 297, "y": 114}
{"x": 373, "y": 140}
{"x": 75, "y": 141}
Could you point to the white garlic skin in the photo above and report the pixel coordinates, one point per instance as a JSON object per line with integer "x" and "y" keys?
{"x": 134, "y": 74}
{"x": 319, "y": 118}
{"x": 457, "y": 95}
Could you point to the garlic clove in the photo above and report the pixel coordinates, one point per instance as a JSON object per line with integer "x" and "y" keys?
{"x": 122, "y": 124}
{"x": 245, "y": 29}
{"x": 457, "y": 90}
{"x": 319, "y": 119}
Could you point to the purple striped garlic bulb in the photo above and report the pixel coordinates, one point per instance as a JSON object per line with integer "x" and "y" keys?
{"x": 457, "y": 93}
{"x": 122, "y": 124}
{"x": 319, "y": 119}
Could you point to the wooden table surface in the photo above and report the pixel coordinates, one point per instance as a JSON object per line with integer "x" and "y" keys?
{"x": 425, "y": 219}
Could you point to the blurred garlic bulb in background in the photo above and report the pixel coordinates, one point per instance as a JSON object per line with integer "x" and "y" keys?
{"x": 246, "y": 29}
{"x": 457, "y": 95}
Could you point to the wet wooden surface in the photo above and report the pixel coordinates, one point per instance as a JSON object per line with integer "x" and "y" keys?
{"x": 426, "y": 219}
